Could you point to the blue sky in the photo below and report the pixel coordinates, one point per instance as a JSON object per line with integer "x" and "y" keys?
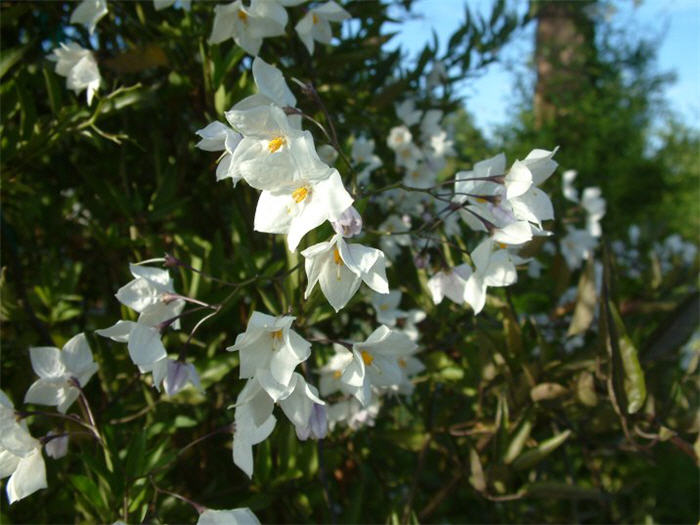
{"x": 675, "y": 22}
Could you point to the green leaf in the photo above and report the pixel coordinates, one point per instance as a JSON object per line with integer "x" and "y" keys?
{"x": 9, "y": 57}
{"x": 135, "y": 456}
{"x": 477, "y": 478}
{"x": 532, "y": 457}
{"x": 547, "y": 391}
{"x": 633, "y": 380}
{"x": 586, "y": 302}
{"x": 520, "y": 436}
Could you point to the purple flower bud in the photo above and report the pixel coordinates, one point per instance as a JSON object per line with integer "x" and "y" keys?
{"x": 178, "y": 375}
{"x": 349, "y": 223}
{"x": 317, "y": 426}
{"x": 318, "y": 421}
{"x": 421, "y": 260}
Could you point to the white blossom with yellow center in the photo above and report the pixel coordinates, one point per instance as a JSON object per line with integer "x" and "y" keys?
{"x": 340, "y": 268}
{"x": 298, "y": 208}
{"x": 315, "y": 25}
{"x": 270, "y": 351}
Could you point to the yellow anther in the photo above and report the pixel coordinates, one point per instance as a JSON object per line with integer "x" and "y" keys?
{"x": 277, "y": 142}
{"x": 501, "y": 245}
{"x": 402, "y": 362}
{"x": 481, "y": 200}
{"x": 300, "y": 194}
{"x": 337, "y": 374}
{"x": 242, "y": 15}
{"x": 366, "y": 357}
{"x": 276, "y": 335}
{"x": 336, "y": 257}
{"x": 384, "y": 307}
{"x": 314, "y": 18}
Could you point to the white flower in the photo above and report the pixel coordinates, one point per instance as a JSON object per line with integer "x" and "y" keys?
{"x": 270, "y": 345}
{"x": 408, "y": 113}
{"x": 272, "y": 89}
{"x": 298, "y": 404}
{"x": 248, "y": 25}
{"x": 633, "y": 232}
{"x": 353, "y": 413}
{"x": 217, "y": 137}
{"x": 240, "y": 516}
{"x": 299, "y": 208}
{"x": 340, "y": 268}
{"x": 568, "y": 189}
{"x": 150, "y": 286}
{"x": 57, "y": 369}
{"x": 422, "y": 176}
{"x": 363, "y": 154}
{"x": 20, "y": 455}
{"x": 412, "y": 317}
{"x": 315, "y": 25}
{"x": 378, "y": 359}
{"x": 79, "y": 67}
{"x": 273, "y": 154}
{"x": 451, "y": 283}
{"x": 576, "y": 246}
{"x": 332, "y": 375}
{"x": 88, "y": 13}
{"x": 494, "y": 267}
{"x": 386, "y": 307}
{"x": 393, "y": 239}
{"x": 594, "y": 205}
{"x": 399, "y": 138}
{"x": 254, "y": 422}
{"x": 147, "y": 294}
{"x": 441, "y": 145}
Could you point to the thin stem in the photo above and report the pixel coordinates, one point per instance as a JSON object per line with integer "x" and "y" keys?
{"x": 171, "y": 261}
{"x": 197, "y": 506}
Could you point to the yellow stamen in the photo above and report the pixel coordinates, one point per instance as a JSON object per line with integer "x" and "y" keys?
{"x": 366, "y": 357}
{"x": 276, "y": 335}
{"x": 242, "y": 15}
{"x": 336, "y": 257}
{"x": 402, "y": 362}
{"x": 314, "y": 18}
{"x": 337, "y": 374}
{"x": 384, "y": 307}
{"x": 277, "y": 142}
{"x": 501, "y": 245}
{"x": 481, "y": 200}
{"x": 300, "y": 194}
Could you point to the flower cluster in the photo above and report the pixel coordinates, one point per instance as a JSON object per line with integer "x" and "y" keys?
{"x": 249, "y": 25}
{"x": 151, "y": 294}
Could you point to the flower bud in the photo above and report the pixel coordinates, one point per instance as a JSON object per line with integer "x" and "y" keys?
{"x": 421, "y": 260}
{"x": 349, "y": 223}
{"x": 178, "y": 375}
{"x": 317, "y": 427}
{"x": 56, "y": 447}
